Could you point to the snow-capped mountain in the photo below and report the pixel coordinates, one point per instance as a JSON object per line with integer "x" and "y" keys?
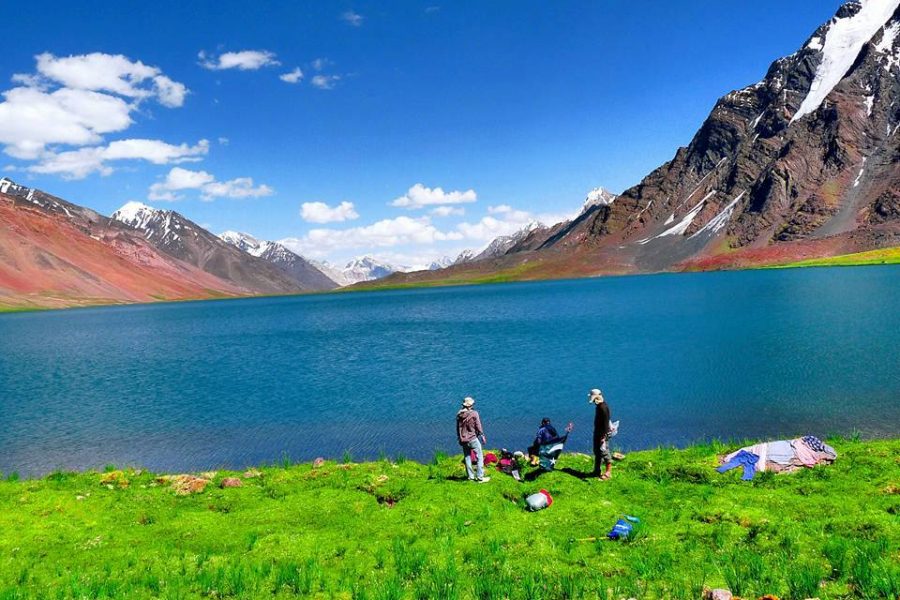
{"x": 298, "y": 267}
{"x": 440, "y": 263}
{"x": 180, "y": 237}
{"x": 367, "y": 268}
{"x": 465, "y": 256}
{"x": 598, "y": 197}
{"x": 500, "y": 245}
{"x": 363, "y": 268}
{"x": 245, "y": 242}
{"x": 803, "y": 162}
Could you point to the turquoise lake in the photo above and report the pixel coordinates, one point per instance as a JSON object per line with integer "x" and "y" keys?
{"x": 681, "y": 358}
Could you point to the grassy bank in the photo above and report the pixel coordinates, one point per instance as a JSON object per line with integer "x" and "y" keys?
{"x": 398, "y": 529}
{"x": 884, "y": 256}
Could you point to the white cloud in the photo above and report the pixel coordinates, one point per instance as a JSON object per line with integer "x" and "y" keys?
{"x": 319, "y": 212}
{"x": 184, "y": 179}
{"x": 292, "y": 77}
{"x": 101, "y": 72}
{"x": 354, "y": 19}
{"x": 504, "y": 220}
{"x": 241, "y": 187}
{"x": 31, "y": 118}
{"x": 321, "y": 63}
{"x": 419, "y": 196}
{"x": 245, "y": 60}
{"x": 325, "y": 82}
{"x": 489, "y": 228}
{"x": 75, "y": 100}
{"x": 77, "y": 164}
{"x": 510, "y": 214}
{"x": 382, "y": 234}
{"x": 448, "y": 211}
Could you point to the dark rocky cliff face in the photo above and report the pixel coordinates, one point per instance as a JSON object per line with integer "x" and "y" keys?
{"x": 777, "y": 161}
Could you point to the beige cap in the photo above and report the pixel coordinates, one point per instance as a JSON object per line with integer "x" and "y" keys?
{"x": 468, "y": 402}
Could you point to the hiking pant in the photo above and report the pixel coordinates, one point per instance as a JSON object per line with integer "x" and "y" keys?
{"x": 602, "y": 456}
{"x": 467, "y": 448}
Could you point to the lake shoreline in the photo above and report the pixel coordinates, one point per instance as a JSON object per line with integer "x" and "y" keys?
{"x": 421, "y": 530}
{"x": 884, "y": 257}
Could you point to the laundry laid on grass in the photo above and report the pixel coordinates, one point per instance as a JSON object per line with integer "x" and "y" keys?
{"x": 781, "y": 456}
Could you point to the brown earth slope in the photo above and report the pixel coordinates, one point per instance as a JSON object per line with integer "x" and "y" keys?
{"x": 55, "y": 254}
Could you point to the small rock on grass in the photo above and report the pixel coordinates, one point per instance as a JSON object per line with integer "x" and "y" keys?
{"x": 231, "y": 482}
{"x": 318, "y": 462}
{"x": 717, "y": 594}
{"x": 184, "y": 485}
{"x": 252, "y": 473}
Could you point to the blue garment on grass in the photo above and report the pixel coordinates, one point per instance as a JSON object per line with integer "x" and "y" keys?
{"x": 622, "y": 529}
{"x": 744, "y": 459}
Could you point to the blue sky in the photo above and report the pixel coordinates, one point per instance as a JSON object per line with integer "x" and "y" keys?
{"x": 515, "y": 110}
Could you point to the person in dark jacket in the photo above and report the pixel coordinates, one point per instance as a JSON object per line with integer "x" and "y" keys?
{"x": 601, "y": 435}
{"x": 546, "y": 434}
{"x": 468, "y": 430}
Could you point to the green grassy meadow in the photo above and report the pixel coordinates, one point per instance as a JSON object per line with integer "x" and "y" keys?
{"x": 393, "y": 529}
{"x": 884, "y": 256}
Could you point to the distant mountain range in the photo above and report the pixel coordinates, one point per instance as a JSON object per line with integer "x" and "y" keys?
{"x": 803, "y": 164}
{"x": 183, "y": 239}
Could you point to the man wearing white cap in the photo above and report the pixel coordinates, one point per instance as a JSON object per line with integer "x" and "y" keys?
{"x": 601, "y": 435}
{"x": 468, "y": 430}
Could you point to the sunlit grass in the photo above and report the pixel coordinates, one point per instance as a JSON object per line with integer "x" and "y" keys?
{"x": 401, "y": 529}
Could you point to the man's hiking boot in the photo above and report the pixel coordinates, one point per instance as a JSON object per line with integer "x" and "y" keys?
{"x": 483, "y": 480}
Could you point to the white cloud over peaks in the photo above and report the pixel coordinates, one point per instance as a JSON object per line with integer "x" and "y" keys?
{"x": 354, "y": 19}
{"x": 77, "y": 164}
{"x": 245, "y": 60}
{"x": 419, "y": 196}
{"x": 382, "y": 234}
{"x": 319, "y": 212}
{"x": 293, "y": 76}
{"x": 179, "y": 179}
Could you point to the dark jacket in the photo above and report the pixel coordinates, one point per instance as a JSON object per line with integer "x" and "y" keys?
{"x": 468, "y": 425}
{"x": 601, "y": 423}
{"x": 546, "y": 435}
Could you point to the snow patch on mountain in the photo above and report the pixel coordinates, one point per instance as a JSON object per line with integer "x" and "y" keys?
{"x": 246, "y": 242}
{"x": 886, "y": 46}
{"x": 720, "y": 220}
{"x": 844, "y": 40}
